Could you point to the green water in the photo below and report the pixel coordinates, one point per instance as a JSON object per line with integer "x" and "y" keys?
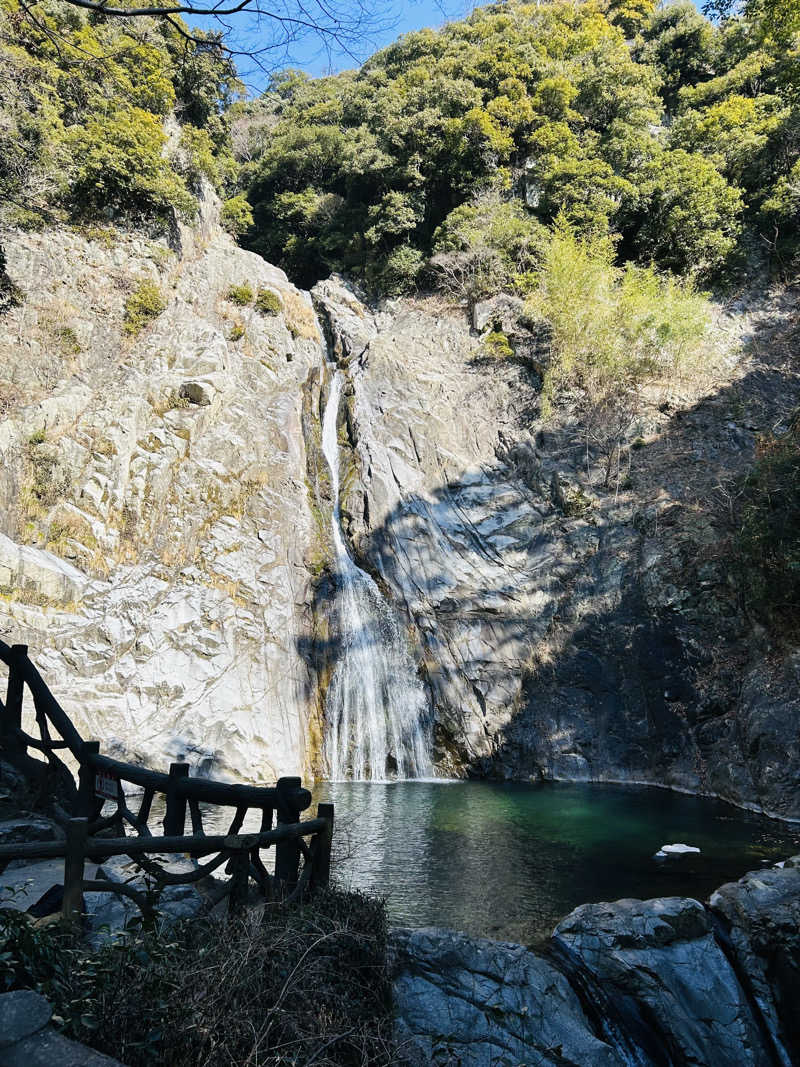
{"x": 509, "y": 860}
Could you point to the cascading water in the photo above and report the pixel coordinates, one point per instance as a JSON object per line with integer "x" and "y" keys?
{"x": 375, "y": 706}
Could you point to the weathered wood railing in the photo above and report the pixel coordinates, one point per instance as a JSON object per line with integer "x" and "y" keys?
{"x": 101, "y": 780}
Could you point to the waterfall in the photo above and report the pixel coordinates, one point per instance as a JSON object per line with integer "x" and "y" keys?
{"x": 375, "y": 706}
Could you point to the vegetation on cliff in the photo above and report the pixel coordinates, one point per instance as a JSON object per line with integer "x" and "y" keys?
{"x": 83, "y": 104}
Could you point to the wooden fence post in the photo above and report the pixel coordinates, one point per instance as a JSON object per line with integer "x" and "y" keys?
{"x": 321, "y": 848}
{"x": 14, "y": 694}
{"x": 86, "y": 778}
{"x": 287, "y": 853}
{"x": 239, "y": 865}
{"x": 77, "y": 832}
{"x": 175, "y": 817}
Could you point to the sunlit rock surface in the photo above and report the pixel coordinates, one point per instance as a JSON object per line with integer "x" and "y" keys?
{"x": 161, "y": 581}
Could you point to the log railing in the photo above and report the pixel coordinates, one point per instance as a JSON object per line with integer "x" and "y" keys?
{"x": 102, "y": 783}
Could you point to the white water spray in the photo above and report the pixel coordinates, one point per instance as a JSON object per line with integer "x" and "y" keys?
{"x": 375, "y": 707}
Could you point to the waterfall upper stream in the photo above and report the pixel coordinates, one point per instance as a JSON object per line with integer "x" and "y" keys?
{"x": 375, "y": 706}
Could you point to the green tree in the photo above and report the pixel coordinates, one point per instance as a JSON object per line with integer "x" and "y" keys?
{"x": 679, "y": 43}
{"x": 690, "y": 216}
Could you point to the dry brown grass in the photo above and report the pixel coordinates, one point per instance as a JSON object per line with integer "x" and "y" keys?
{"x": 300, "y": 318}
{"x": 299, "y": 986}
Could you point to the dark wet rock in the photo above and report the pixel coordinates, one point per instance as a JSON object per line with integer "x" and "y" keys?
{"x": 759, "y": 917}
{"x": 657, "y": 983}
{"x": 662, "y": 953}
{"x": 486, "y": 1004}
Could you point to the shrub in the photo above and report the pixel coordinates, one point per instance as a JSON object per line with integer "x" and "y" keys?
{"x": 612, "y": 328}
{"x": 236, "y": 215}
{"x": 268, "y": 302}
{"x": 769, "y": 534}
{"x": 693, "y": 216}
{"x": 237, "y": 332}
{"x": 120, "y": 163}
{"x": 241, "y": 295}
{"x": 67, "y": 340}
{"x": 45, "y": 481}
{"x": 399, "y": 271}
{"x": 143, "y": 305}
{"x": 305, "y": 984}
{"x": 484, "y": 246}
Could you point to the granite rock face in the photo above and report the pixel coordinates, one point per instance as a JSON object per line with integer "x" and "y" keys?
{"x": 486, "y": 1004}
{"x": 164, "y": 529}
{"x": 565, "y": 628}
{"x": 156, "y": 525}
{"x": 656, "y": 983}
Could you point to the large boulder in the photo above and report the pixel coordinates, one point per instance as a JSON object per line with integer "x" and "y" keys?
{"x": 485, "y": 1004}
{"x": 662, "y": 953}
{"x": 760, "y": 914}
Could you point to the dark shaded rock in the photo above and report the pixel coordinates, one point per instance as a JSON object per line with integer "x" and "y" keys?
{"x": 760, "y": 916}
{"x": 663, "y": 954}
{"x": 22, "y": 1013}
{"x": 49, "y": 903}
{"x": 49, "y": 1049}
{"x": 487, "y": 1004}
{"x": 28, "y": 828}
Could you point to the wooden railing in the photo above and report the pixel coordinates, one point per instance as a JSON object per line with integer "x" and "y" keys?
{"x": 102, "y": 781}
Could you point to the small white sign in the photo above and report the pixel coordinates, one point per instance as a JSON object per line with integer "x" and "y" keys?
{"x": 106, "y": 785}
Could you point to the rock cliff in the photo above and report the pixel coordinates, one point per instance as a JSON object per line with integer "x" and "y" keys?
{"x": 157, "y": 533}
{"x": 165, "y": 508}
{"x": 565, "y": 629}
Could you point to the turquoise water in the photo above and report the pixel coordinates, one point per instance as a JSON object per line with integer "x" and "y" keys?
{"x": 507, "y": 861}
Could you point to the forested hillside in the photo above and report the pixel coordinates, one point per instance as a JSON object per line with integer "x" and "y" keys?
{"x": 677, "y": 138}
{"x": 83, "y": 107}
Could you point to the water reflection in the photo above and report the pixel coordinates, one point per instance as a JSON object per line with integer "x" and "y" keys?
{"x": 508, "y": 860}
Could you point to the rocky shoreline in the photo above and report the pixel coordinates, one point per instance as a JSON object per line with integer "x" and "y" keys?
{"x": 667, "y": 982}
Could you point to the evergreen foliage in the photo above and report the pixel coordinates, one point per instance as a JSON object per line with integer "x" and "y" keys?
{"x": 241, "y": 295}
{"x": 83, "y": 104}
{"x": 268, "y": 302}
{"x": 143, "y": 305}
{"x": 461, "y": 144}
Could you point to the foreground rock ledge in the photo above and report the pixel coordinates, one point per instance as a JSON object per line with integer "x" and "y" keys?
{"x": 658, "y": 982}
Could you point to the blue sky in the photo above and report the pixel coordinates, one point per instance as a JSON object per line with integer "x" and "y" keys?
{"x": 385, "y": 22}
